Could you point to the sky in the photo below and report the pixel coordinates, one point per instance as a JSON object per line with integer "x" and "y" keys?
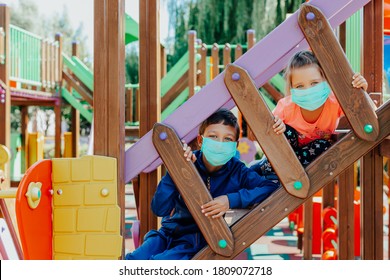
{"x": 82, "y": 11}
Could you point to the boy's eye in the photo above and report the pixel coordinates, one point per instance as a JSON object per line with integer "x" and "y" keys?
{"x": 299, "y": 86}
{"x": 212, "y": 136}
{"x": 228, "y": 139}
{"x": 314, "y": 83}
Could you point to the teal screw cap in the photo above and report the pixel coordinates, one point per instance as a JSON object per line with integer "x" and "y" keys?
{"x": 368, "y": 128}
{"x": 222, "y": 243}
{"x": 297, "y": 185}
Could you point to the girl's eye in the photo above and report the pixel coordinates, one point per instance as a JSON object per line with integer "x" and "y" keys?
{"x": 314, "y": 83}
{"x": 300, "y": 86}
{"x": 228, "y": 139}
{"x": 212, "y": 136}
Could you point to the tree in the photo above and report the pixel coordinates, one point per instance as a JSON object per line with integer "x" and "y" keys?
{"x": 224, "y": 21}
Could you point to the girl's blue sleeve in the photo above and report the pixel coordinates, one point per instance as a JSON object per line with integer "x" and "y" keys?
{"x": 165, "y": 197}
{"x": 254, "y": 189}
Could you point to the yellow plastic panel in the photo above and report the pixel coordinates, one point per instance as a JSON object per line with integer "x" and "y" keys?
{"x": 103, "y": 245}
{"x": 89, "y": 187}
{"x": 61, "y": 170}
{"x": 65, "y": 220}
{"x": 113, "y": 219}
{"x": 90, "y": 219}
{"x": 81, "y": 169}
{"x": 69, "y": 244}
{"x": 100, "y": 194}
{"x": 104, "y": 169}
{"x": 68, "y": 194}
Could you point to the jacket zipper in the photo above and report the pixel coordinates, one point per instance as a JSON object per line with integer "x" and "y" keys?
{"x": 208, "y": 183}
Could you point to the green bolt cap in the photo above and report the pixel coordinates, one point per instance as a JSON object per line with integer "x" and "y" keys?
{"x": 222, "y": 243}
{"x": 297, "y": 185}
{"x": 368, "y": 128}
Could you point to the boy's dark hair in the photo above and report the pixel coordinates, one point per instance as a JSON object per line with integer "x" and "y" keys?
{"x": 223, "y": 116}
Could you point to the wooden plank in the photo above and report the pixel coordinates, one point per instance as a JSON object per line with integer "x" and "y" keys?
{"x": 355, "y": 102}
{"x": 308, "y": 229}
{"x": 328, "y": 194}
{"x": 192, "y": 189}
{"x": 192, "y": 62}
{"x": 276, "y": 95}
{"x": 321, "y": 172}
{"x": 150, "y": 101}
{"x": 174, "y": 91}
{"x": 80, "y": 88}
{"x": 260, "y": 119}
{"x": 109, "y": 80}
{"x": 226, "y": 54}
{"x": 345, "y": 206}
{"x": 372, "y": 163}
{"x": 202, "y": 65}
{"x": 215, "y": 59}
{"x": 143, "y": 157}
{"x": 5, "y": 97}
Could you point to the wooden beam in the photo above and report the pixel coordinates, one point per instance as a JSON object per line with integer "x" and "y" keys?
{"x": 80, "y": 88}
{"x": 174, "y": 91}
{"x": 5, "y": 98}
{"x": 346, "y": 215}
{"x": 192, "y": 63}
{"x": 109, "y": 89}
{"x": 372, "y": 163}
{"x": 150, "y": 101}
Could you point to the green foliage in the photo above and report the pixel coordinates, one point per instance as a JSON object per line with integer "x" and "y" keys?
{"x": 131, "y": 63}
{"x": 224, "y": 21}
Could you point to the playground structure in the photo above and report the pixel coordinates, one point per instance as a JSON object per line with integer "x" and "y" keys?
{"x": 143, "y": 156}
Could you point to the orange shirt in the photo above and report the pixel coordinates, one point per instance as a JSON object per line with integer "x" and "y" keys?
{"x": 323, "y": 128}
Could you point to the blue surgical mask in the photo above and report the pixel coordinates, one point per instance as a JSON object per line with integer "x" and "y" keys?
{"x": 311, "y": 98}
{"x": 218, "y": 153}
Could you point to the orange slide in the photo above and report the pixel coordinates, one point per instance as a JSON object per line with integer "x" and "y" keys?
{"x": 386, "y": 12}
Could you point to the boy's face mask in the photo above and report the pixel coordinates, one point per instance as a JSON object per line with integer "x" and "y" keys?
{"x": 311, "y": 98}
{"x": 218, "y": 153}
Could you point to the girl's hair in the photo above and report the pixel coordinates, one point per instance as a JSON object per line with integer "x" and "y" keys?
{"x": 299, "y": 60}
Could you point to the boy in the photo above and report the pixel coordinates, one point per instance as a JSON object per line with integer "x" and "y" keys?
{"x": 230, "y": 182}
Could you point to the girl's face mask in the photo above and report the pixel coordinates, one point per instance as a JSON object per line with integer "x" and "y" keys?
{"x": 218, "y": 153}
{"x": 311, "y": 98}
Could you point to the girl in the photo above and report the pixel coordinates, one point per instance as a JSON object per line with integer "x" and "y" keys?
{"x": 310, "y": 113}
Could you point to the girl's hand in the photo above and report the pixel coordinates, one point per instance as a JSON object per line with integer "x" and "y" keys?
{"x": 217, "y": 207}
{"x": 359, "y": 81}
{"x": 279, "y": 126}
{"x": 188, "y": 152}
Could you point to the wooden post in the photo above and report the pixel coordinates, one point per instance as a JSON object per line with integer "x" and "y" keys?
{"x": 346, "y": 215}
{"x": 129, "y": 105}
{"x": 215, "y": 58}
{"x": 109, "y": 88}
{"x": 57, "y": 106}
{"x": 5, "y": 96}
{"x": 226, "y": 54}
{"x": 372, "y": 163}
{"x": 75, "y": 128}
{"x": 192, "y": 63}
{"x": 202, "y": 79}
{"x": 163, "y": 60}
{"x": 24, "y": 132}
{"x": 150, "y": 100}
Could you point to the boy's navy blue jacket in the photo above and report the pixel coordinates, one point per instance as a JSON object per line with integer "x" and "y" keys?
{"x": 243, "y": 186}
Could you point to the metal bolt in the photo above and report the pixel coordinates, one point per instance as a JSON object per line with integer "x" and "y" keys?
{"x": 368, "y": 128}
{"x": 297, "y": 185}
{"x": 310, "y": 16}
{"x": 235, "y": 76}
{"x": 163, "y": 136}
{"x": 59, "y": 191}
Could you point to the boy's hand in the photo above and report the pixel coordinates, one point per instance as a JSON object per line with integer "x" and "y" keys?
{"x": 188, "y": 152}
{"x": 359, "y": 81}
{"x": 279, "y": 126}
{"x": 217, "y": 207}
